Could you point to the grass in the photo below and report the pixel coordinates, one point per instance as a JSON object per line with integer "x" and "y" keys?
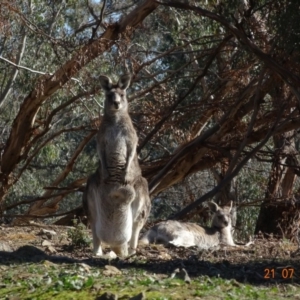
{"x": 47, "y": 280}
{"x": 78, "y": 235}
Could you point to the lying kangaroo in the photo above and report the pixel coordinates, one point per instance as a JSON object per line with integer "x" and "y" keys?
{"x": 116, "y": 197}
{"x": 190, "y": 234}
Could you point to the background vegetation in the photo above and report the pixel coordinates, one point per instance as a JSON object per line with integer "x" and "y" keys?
{"x": 214, "y": 98}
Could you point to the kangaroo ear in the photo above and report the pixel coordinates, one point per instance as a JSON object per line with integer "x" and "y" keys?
{"x": 229, "y": 205}
{"x": 105, "y": 82}
{"x": 124, "y": 82}
{"x": 214, "y": 207}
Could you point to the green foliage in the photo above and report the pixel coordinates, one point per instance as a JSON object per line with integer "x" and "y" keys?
{"x": 165, "y": 54}
{"x": 251, "y": 184}
{"x": 286, "y": 24}
{"x": 78, "y": 235}
{"x": 73, "y": 282}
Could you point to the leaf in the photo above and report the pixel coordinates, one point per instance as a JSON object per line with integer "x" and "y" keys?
{"x": 89, "y": 282}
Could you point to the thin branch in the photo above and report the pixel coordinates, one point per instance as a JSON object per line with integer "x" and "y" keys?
{"x": 102, "y": 11}
{"x": 43, "y": 144}
{"x": 68, "y": 167}
{"x": 36, "y": 199}
{"x": 15, "y": 72}
{"x": 58, "y": 109}
{"x": 99, "y": 21}
{"x": 163, "y": 54}
{"x": 228, "y": 177}
{"x": 71, "y": 188}
{"x": 199, "y": 140}
{"x": 31, "y": 70}
{"x": 182, "y": 98}
{"x": 47, "y": 85}
{"x": 251, "y": 124}
{"x": 267, "y": 59}
{"x": 41, "y": 216}
{"x": 158, "y": 83}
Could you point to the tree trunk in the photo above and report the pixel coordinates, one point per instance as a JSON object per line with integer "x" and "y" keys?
{"x": 279, "y": 213}
{"x": 18, "y": 144}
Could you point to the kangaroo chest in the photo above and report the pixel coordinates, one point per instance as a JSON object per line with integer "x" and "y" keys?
{"x": 116, "y": 143}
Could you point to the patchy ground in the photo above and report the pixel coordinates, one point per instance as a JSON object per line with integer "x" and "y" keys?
{"x": 43, "y": 258}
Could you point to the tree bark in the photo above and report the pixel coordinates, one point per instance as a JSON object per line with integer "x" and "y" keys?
{"x": 47, "y": 85}
{"x": 279, "y": 215}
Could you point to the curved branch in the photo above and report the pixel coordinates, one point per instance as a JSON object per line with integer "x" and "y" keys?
{"x": 190, "y": 90}
{"x": 240, "y": 34}
{"x": 197, "y": 142}
{"x": 15, "y": 72}
{"x": 44, "y": 143}
{"x": 72, "y": 187}
{"x": 47, "y": 85}
{"x": 229, "y": 176}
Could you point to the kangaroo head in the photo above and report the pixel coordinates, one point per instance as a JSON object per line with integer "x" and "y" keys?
{"x": 115, "y": 94}
{"x": 221, "y": 217}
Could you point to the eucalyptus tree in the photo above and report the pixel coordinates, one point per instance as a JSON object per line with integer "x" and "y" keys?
{"x": 56, "y": 111}
{"x": 214, "y": 85}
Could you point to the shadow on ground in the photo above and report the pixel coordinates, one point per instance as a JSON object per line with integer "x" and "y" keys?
{"x": 258, "y": 272}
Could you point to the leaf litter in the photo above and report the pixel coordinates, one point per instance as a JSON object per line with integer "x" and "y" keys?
{"x": 30, "y": 270}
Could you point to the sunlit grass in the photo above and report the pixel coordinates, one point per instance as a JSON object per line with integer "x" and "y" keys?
{"x": 71, "y": 281}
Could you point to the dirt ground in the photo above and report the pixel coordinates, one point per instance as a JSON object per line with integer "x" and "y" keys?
{"x": 266, "y": 261}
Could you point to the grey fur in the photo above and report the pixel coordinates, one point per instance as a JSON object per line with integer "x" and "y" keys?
{"x": 117, "y": 139}
{"x": 190, "y": 234}
{"x": 117, "y": 197}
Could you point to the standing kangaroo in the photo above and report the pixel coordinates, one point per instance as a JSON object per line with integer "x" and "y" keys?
{"x": 190, "y": 234}
{"x": 116, "y": 197}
